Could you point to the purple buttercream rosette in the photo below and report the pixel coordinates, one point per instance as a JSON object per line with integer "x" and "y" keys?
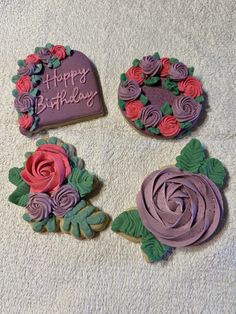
{"x": 150, "y": 116}
{"x": 27, "y": 69}
{"x": 150, "y": 65}
{"x": 44, "y": 55}
{"x": 39, "y": 206}
{"x": 64, "y": 199}
{"x": 129, "y": 90}
{"x": 185, "y": 108}
{"x": 178, "y": 71}
{"x": 23, "y": 102}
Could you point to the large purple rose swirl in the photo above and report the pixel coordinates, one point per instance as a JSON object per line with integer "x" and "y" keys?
{"x": 178, "y": 207}
{"x": 27, "y": 69}
{"x": 185, "y": 108}
{"x": 23, "y": 102}
{"x": 150, "y": 65}
{"x": 150, "y": 116}
{"x": 64, "y": 199}
{"x": 44, "y": 55}
{"x": 178, "y": 71}
{"x": 39, "y": 206}
{"x": 129, "y": 90}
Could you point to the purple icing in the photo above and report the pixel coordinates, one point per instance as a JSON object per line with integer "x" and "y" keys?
{"x": 23, "y": 102}
{"x": 44, "y": 55}
{"x": 150, "y": 116}
{"x": 129, "y": 90}
{"x": 27, "y": 69}
{"x": 64, "y": 200}
{"x": 150, "y": 65}
{"x": 180, "y": 208}
{"x": 178, "y": 71}
{"x": 185, "y": 108}
{"x": 39, "y": 206}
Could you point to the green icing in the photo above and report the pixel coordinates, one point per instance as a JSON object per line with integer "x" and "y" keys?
{"x": 36, "y": 50}
{"x": 96, "y": 219}
{"x": 27, "y": 217}
{"x": 20, "y": 195}
{"x": 51, "y": 224}
{"x": 153, "y": 80}
{"x": 15, "y": 78}
{"x": 139, "y": 124}
{"x": 35, "y": 78}
{"x": 36, "y": 120}
{"x": 39, "y": 225}
{"x": 191, "y": 156}
{"x": 54, "y": 63}
{"x": 81, "y": 180}
{"x": 153, "y": 130}
{"x": 38, "y": 68}
{"x": 173, "y": 60}
{"x": 166, "y": 109}
{"x": 34, "y": 92}
{"x": 214, "y": 170}
{"x": 171, "y": 86}
{"x": 68, "y": 50}
{"x": 135, "y": 62}
{"x": 14, "y": 176}
{"x": 121, "y": 104}
{"x": 14, "y": 92}
{"x": 190, "y": 71}
{"x": 21, "y": 63}
{"x": 41, "y": 142}
{"x": 129, "y": 223}
{"x": 28, "y": 154}
{"x": 52, "y": 140}
{"x": 143, "y": 99}
{"x": 153, "y": 249}
{"x": 48, "y": 45}
{"x": 156, "y": 55}
{"x": 199, "y": 99}
{"x": 185, "y": 125}
{"x": 123, "y": 77}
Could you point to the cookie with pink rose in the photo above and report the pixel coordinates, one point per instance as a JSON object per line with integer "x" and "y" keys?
{"x": 55, "y": 86}
{"x": 176, "y": 207}
{"x": 53, "y": 186}
{"x": 160, "y": 97}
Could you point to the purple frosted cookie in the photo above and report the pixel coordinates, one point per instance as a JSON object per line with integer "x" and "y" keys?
{"x": 55, "y": 86}
{"x": 160, "y": 97}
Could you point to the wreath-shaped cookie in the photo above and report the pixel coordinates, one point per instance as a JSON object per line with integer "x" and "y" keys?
{"x": 178, "y": 206}
{"x": 53, "y": 185}
{"x": 160, "y": 97}
{"x": 55, "y": 86}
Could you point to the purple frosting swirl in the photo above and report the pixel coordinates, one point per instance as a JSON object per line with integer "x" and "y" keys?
{"x": 150, "y": 116}
{"x": 27, "y": 69}
{"x": 129, "y": 90}
{"x": 185, "y": 108}
{"x": 64, "y": 200}
{"x": 39, "y": 206}
{"x": 178, "y": 71}
{"x": 23, "y": 102}
{"x": 150, "y": 65}
{"x": 44, "y": 55}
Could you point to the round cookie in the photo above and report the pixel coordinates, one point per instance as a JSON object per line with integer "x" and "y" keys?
{"x": 160, "y": 97}
{"x": 55, "y": 86}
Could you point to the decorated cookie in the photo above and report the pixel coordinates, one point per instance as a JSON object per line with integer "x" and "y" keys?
{"x": 160, "y": 97}
{"x": 179, "y": 206}
{"x": 55, "y": 86}
{"x": 53, "y": 186}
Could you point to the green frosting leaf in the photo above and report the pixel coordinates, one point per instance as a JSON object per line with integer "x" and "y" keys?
{"x": 34, "y": 92}
{"x": 154, "y": 130}
{"x": 15, "y": 78}
{"x": 36, "y": 50}
{"x": 36, "y": 120}
{"x": 52, "y": 140}
{"x": 28, "y": 154}
{"x": 35, "y": 78}
{"x": 123, "y": 77}
{"x": 156, "y": 55}
{"x": 14, "y": 176}
{"x": 190, "y": 71}
{"x": 153, "y": 80}
{"x": 51, "y": 224}
{"x": 136, "y": 62}
{"x": 48, "y": 45}
{"x": 56, "y": 63}
{"x": 14, "y": 92}
{"x": 121, "y": 104}
{"x": 97, "y": 218}
{"x": 38, "y": 68}
{"x": 214, "y": 170}
{"x": 191, "y": 156}
{"x": 20, "y": 195}
{"x": 21, "y": 63}
{"x": 68, "y": 50}
{"x": 129, "y": 223}
{"x": 153, "y": 249}
{"x": 199, "y": 99}
{"x": 81, "y": 180}
{"x": 174, "y": 60}
{"x": 143, "y": 99}
{"x": 139, "y": 124}
{"x": 27, "y": 217}
{"x": 185, "y": 125}
{"x": 38, "y": 226}
{"x": 166, "y": 109}
{"x": 41, "y": 142}
{"x": 171, "y": 86}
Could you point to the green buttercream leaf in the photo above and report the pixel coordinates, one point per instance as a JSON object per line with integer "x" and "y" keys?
{"x": 48, "y": 45}
{"x": 171, "y": 86}
{"x": 27, "y": 217}
{"x": 121, "y": 104}
{"x": 173, "y": 60}
{"x": 214, "y": 170}
{"x": 36, "y": 120}
{"x": 56, "y": 63}
{"x": 21, "y": 63}
{"x": 153, "y": 130}
{"x": 156, "y": 55}
{"x": 30, "y": 111}
{"x": 129, "y": 223}
{"x": 51, "y": 224}
{"x": 35, "y": 78}
{"x": 15, "y": 78}
{"x": 76, "y": 231}
{"x": 38, "y": 226}
{"x": 199, "y": 99}
{"x": 153, "y": 249}
{"x": 190, "y": 71}
{"x": 14, "y": 92}
{"x": 34, "y": 92}
{"x": 81, "y": 180}
{"x": 166, "y": 109}
{"x": 38, "y": 68}
{"x": 52, "y": 140}
{"x": 97, "y": 218}
{"x": 14, "y": 176}
{"x": 152, "y": 81}
{"x": 36, "y": 50}
{"x": 20, "y": 195}
{"x": 136, "y": 62}
{"x": 68, "y": 50}
{"x": 28, "y": 154}
{"x": 139, "y": 124}
{"x": 186, "y": 125}
{"x": 191, "y": 156}
{"x": 123, "y": 77}
{"x": 143, "y": 99}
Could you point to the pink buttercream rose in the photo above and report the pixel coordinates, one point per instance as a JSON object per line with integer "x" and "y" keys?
{"x": 24, "y": 84}
{"x": 58, "y": 51}
{"x": 190, "y": 87}
{"x": 46, "y": 169}
{"x": 25, "y": 121}
{"x": 33, "y": 58}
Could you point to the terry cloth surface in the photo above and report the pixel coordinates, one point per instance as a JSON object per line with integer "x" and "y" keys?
{"x": 58, "y": 274}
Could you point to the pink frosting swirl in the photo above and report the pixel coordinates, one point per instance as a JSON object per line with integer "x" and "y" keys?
{"x": 150, "y": 65}
{"x": 39, "y": 206}
{"x": 185, "y": 108}
{"x": 64, "y": 199}
{"x": 178, "y": 71}
{"x": 180, "y": 208}
{"x": 129, "y": 90}
{"x": 150, "y": 116}
{"x": 26, "y": 70}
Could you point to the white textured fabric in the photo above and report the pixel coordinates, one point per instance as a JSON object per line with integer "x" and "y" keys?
{"x": 58, "y": 274}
